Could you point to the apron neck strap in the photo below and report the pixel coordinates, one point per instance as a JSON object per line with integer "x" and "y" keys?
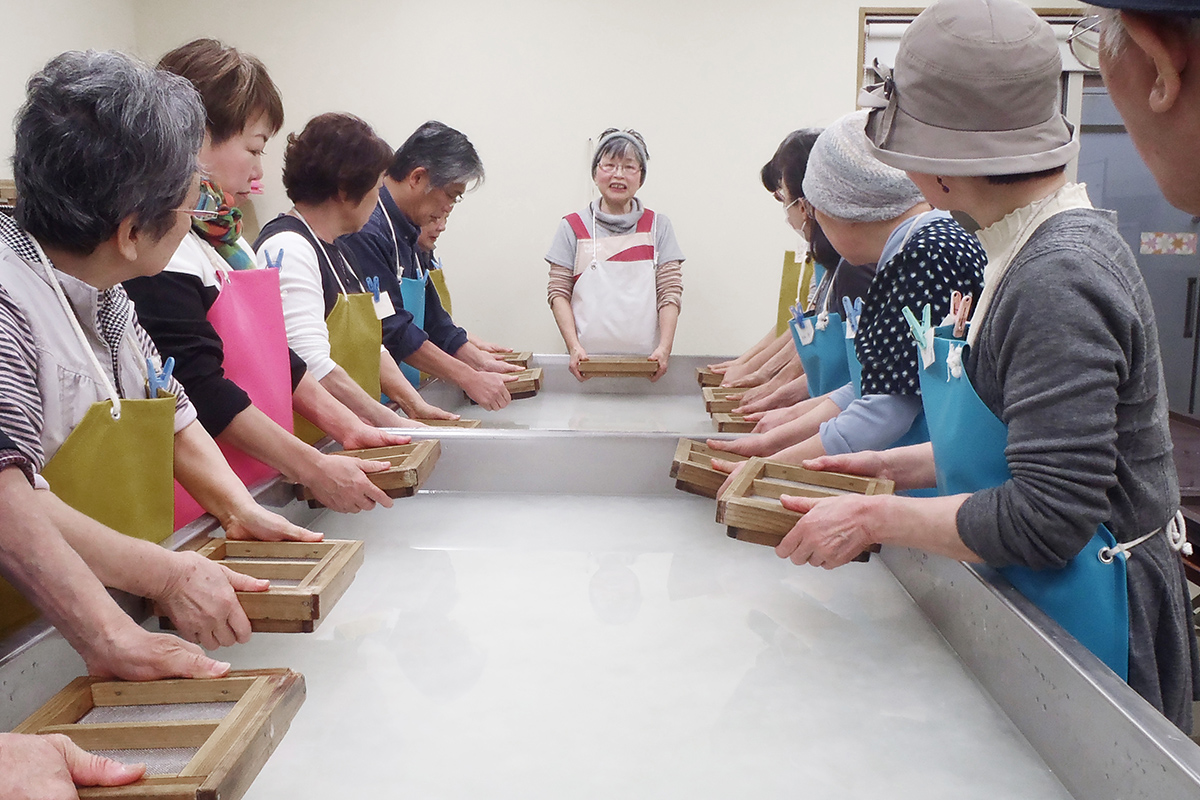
{"x": 75, "y": 326}
{"x": 396, "y": 243}
{"x": 320, "y": 244}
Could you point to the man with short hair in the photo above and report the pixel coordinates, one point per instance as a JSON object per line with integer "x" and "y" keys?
{"x": 1150, "y": 60}
{"x": 431, "y": 172}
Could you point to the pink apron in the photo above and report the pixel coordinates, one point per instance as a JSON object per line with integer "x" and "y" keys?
{"x": 248, "y": 316}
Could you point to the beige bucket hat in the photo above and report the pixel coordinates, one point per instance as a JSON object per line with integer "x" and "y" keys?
{"x": 974, "y": 92}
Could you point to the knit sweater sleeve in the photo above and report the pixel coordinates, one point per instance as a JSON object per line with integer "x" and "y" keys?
{"x": 1055, "y": 346}
{"x": 668, "y": 285}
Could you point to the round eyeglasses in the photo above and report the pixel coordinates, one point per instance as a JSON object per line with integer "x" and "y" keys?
{"x": 1084, "y": 42}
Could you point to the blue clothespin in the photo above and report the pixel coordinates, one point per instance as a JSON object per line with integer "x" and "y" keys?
{"x": 373, "y": 287}
{"x": 920, "y": 329}
{"x": 277, "y": 263}
{"x": 853, "y": 312}
{"x": 158, "y": 380}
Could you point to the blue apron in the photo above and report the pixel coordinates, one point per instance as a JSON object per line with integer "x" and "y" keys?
{"x": 824, "y": 357}
{"x": 412, "y": 294}
{"x": 1086, "y": 597}
{"x": 918, "y": 432}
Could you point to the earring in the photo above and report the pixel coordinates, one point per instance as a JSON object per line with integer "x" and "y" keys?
{"x": 945, "y": 188}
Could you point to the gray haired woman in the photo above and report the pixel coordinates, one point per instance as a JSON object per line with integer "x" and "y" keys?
{"x": 105, "y": 169}
{"x": 615, "y": 279}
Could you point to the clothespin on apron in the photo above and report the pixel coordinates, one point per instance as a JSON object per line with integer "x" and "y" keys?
{"x": 922, "y": 331}
{"x": 277, "y": 263}
{"x": 157, "y": 381}
{"x": 373, "y": 287}
{"x": 853, "y": 312}
{"x": 961, "y": 314}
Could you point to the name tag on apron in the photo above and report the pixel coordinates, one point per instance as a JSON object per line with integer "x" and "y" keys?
{"x": 383, "y": 306}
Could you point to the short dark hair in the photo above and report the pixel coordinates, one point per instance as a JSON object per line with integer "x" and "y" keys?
{"x": 234, "y": 85}
{"x": 446, "y": 154}
{"x": 335, "y": 153}
{"x": 787, "y": 167}
{"x": 102, "y": 137}
{"x": 1021, "y": 177}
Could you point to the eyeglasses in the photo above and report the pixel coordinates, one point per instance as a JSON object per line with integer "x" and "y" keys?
{"x": 619, "y": 169}
{"x": 202, "y": 214}
{"x": 1084, "y": 42}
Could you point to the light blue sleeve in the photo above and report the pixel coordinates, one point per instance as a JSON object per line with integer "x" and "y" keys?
{"x": 873, "y": 422}
{"x": 843, "y": 396}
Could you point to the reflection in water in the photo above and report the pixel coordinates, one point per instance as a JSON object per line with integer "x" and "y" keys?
{"x": 615, "y": 591}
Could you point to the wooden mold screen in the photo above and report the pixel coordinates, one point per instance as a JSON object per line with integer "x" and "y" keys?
{"x": 307, "y": 579}
{"x": 732, "y": 423}
{"x": 411, "y": 465}
{"x": 692, "y": 467}
{"x": 618, "y": 367}
{"x": 521, "y": 359}
{"x": 706, "y": 377}
{"x": 721, "y": 399}
{"x": 449, "y": 423}
{"x": 205, "y": 739}
{"x": 528, "y": 383}
{"x": 751, "y": 509}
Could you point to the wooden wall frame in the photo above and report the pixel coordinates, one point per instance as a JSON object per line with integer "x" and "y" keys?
{"x": 706, "y": 377}
{"x": 751, "y": 509}
{"x": 721, "y": 399}
{"x": 232, "y": 747}
{"x": 411, "y": 464}
{"x": 692, "y": 468}
{"x": 323, "y": 571}
{"x": 732, "y": 423}
{"x": 618, "y": 367}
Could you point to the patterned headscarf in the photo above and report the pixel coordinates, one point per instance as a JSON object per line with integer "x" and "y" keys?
{"x": 223, "y": 231}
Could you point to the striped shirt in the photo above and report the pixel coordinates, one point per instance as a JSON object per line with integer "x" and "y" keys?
{"x": 22, "y": 408}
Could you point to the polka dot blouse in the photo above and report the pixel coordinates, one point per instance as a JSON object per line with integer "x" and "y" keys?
{"x": 939, "y": 258}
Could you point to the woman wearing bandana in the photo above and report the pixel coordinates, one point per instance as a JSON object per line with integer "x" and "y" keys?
{"x": 222, "y": 320}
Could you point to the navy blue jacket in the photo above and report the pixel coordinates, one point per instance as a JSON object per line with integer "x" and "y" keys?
{"x": 374, "y": 250}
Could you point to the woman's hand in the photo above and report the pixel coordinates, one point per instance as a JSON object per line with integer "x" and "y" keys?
{"x": 199, "y": 597}
{"x": 742, "y": 446}
{"x": 769, "y": 420}
{"x": 662, "y": 355}
{"x": 487, "y": 346}
{"x": 50, "y": 767}
{"x": 133, "y": 653}
{"x": 578, "y": 354}
{"x": 365, "y": 437}
{"x": 252, "y": 521}
{"x": 340, "y": 483}
{"x": 832, "y": 532}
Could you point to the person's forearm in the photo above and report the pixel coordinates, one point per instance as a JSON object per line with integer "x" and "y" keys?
{"x": 668, "y": 321}
{"x": 912, "y": 467}
{"x": 565, "y": 318}
{"x": 926, "y": 523}
{"x": 795, "y": 433}
{"x": 259, "y": 436}
{"x": 432, "y": 359}
{"x": 317, "y": 405}
{"x": 201, "y": 468}
{"x": 350, "y": 394}
{"x": 782, "y": 357}
{"x": 472, "y": 356}
{"x": 42, "y": 565}
{"x": 395, "y": 385}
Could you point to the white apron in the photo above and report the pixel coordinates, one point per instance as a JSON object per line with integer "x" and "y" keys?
{"x": 614, "y": 299}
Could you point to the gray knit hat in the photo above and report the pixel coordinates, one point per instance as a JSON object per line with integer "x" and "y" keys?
{"x": 974, "y": 92}
{"x": 845, "y": 181}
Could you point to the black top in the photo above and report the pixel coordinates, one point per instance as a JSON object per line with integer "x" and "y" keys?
{"x": 173, "y": 308}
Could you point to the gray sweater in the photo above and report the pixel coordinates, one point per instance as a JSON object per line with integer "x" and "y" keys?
{"x": 1068, "y": 358}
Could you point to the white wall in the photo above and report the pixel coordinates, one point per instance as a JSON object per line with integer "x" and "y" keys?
{"x": 712, "y": 86}
{"x": 37, "y": 31}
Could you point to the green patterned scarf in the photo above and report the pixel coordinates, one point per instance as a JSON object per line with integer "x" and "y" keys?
{"x": 223, "y": 231}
